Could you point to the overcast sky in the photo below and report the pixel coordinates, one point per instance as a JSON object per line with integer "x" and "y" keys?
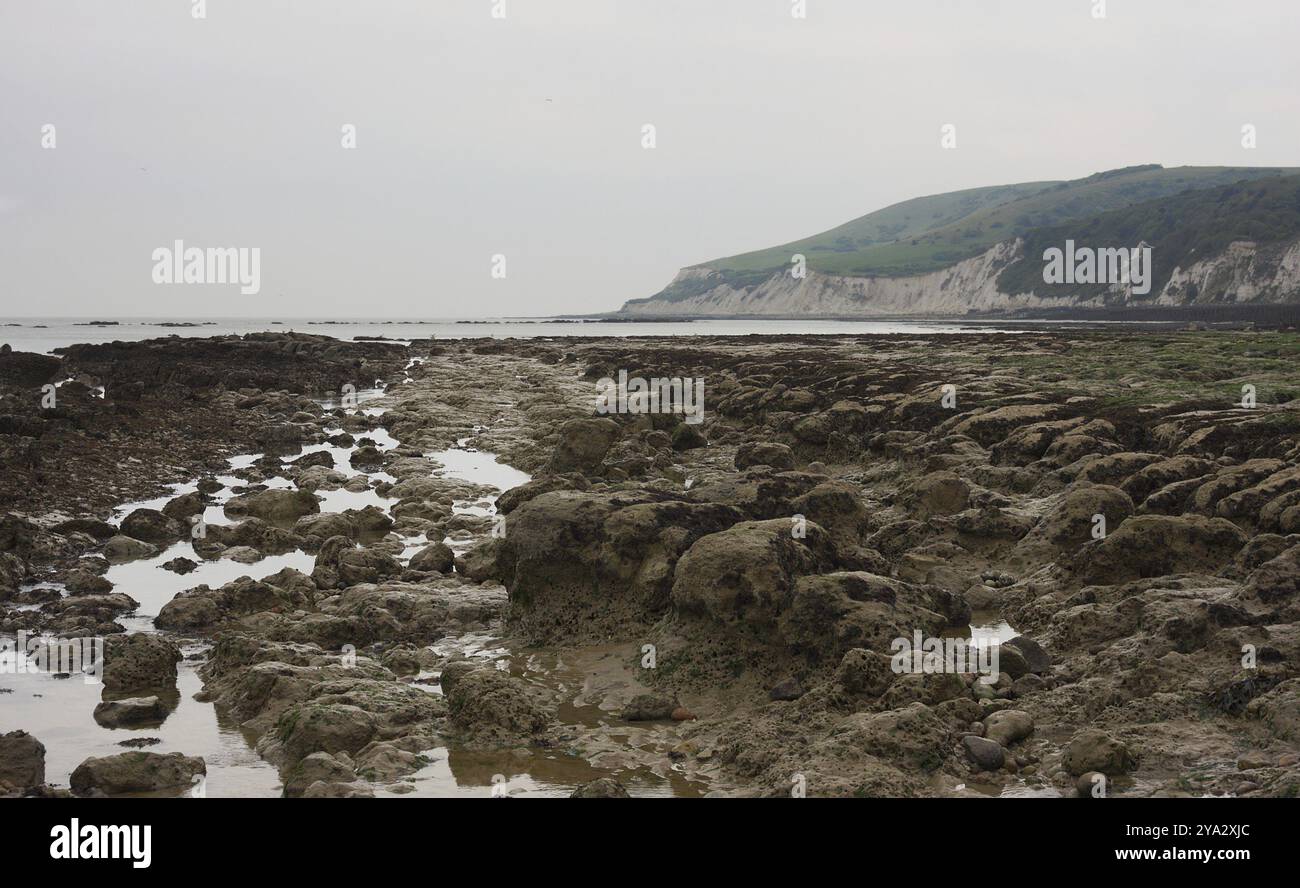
{"x": 522, "y": 136}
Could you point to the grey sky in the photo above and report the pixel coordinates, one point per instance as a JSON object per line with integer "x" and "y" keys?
{"x": 226, "y": 132}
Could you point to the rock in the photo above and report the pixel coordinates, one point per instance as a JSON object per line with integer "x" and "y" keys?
{"x": 136, "y": 772}
{"x": 318, "y": 766}
{"x": 1094, "y": 750}
{"x": 1028, "y": 684}
{"x": 124, "y": 548}
{"x": 277, "y": 506}
{"x": 142, "y": 661}
{"x": 325, "y": 525}
{"x": 939, "y": 493}
{"x": 1090, "y": 785}
{"x": 990, "y": 428}
{"x": 1036, "y": 659}
{"x": 22, "y": 762}
{"x": 602, "y": 788}
{"x": 203, "y": 607}
{"x": 1008, "y": 726}
{"x": 830, "y": 614}
{"x": 747, "y": 572}
{"x": 402, "y": 660}
{"x": 82, "y": 582}
{"x": 242, "y": 554}
{"x": 1155, "y": 545}
{"x": 366, "y": 566}
{"x": 649, "y": 707}
{"x": 582, "y": 445}
{"x": 787, "y": 689}
{"x": 100, "y": 530}
{"x": 180, "y": 565}
{"x": 866, "y": 673}
{"x": 987, "y": 755}
{"x": 369, "y": 522}
{"x": 436, "y": 557}
{"x": 1278, "y": 711}
{"x": 487, "y": 704}
{"x": 688, "y": 437}
{"x": 324, "y": 727}
{"x": 1251, "y": 761}
{"x": 1012, "y": 662}
{"x": 453, "y": 671}
{"x": 324, "y": 790}
{"x": 1071, "y": 523}
{"x": 152, "y": 526}
{"x": 1276, "y": 580}
{"x": 130, "y": 712}
{"x": 618, "y": 565}
{"x": 681, "y": 714}
{"x": 778, "y": 456}
{"x": 185, "y": 507}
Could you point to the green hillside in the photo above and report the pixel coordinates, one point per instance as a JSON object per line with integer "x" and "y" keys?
{"x": 1180, "y": 229}
{"x": 899, "y": 221}
{"x": 930, "y": 233}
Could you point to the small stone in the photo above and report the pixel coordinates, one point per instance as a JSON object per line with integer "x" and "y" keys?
{"x": 1094, "y": 750}
{"x": 1250, "y": 761}
{"x": 788, "y": 689}
{"x": 984, "y": 754}
{"x": 130, "y": 711}
{"x": 1090, "y": 783}
{"x": 649, "y": 707}
{"x": 1008, "y": 726}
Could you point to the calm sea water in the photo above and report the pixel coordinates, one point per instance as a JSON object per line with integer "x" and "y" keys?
{"x": 45, "y": 335}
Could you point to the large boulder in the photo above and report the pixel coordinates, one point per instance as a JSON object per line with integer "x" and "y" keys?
{"x": 487, "y": 704}
{"x": 340, "y": 563}
{"x": 185, "y": 507}
{"x": 22, "y": 762}
{"x": 1156, "y": 545}
{"x": 1095, "y": 750}
{"x": 152, "y": 526}
{"x": 139, "y": 662}
{"x": 324, "y": 727}
{"x": 764, "y": 453}
{"x": 436, "y": 557}
{"x": 1071, "y": 524}
{"x": 619, "y": 553}
{"x": 278, "y": 506}
{"x": 130, "y": 712}
{"x": 830, "y": 615}
{"x": 136, "y": 772}
{"x": 939, "y": 493}
{"x": 582, "y": 445}
{"x": 124, "y": 548}
{"x": 203, "y": 607}
{"x": 747, "y": 573}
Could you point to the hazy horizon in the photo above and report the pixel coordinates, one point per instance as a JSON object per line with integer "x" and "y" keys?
{"x": 478, "y": 136}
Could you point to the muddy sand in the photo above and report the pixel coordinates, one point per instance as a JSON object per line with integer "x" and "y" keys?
{"x": 333, "y": 569}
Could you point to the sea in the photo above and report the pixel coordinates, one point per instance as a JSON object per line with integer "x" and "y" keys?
{"x": 45, "y": 335}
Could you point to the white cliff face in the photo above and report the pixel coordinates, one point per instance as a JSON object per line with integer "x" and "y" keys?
{"x": 971, "y": 286}
{"x": 1243, "y": 271}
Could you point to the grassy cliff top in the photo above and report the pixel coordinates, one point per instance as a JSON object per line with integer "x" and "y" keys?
{"x": 928, "y": 233}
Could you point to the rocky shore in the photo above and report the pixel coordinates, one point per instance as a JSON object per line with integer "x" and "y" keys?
{"x": 648, "y": 606}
